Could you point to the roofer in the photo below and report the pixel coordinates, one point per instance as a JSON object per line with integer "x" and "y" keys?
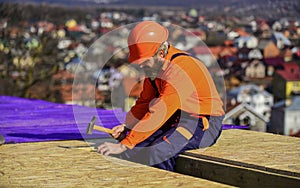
{"x": 179, "y": 108}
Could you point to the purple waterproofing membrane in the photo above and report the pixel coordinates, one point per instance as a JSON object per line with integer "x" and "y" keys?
{"x": 29, "y": 120}
{"x": 228, "y": 126}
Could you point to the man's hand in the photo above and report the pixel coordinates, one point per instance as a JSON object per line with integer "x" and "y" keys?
{"x": 111, "y": 148}
{"x": 118, "y": 130}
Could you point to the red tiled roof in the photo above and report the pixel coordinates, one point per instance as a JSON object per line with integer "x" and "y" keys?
{"x": 288, "y": 76}
{"x": 275, "y": 61}
{"x": 291, "y": 72}
{"x": 291, "y": 66}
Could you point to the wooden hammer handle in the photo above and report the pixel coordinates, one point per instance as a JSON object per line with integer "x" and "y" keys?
{"x": 103, "y": 129}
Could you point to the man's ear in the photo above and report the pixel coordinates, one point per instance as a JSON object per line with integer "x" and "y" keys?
{"x": 162, "y": 53}
{"x": 163, "y": 49}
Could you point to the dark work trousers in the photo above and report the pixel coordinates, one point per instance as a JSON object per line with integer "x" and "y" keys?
{"x": 180, "y": 133}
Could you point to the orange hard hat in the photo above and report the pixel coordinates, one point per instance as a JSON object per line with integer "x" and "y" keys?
{"x": 144, "y": 40}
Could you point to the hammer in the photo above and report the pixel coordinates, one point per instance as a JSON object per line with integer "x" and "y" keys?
{"x": 92, "y": 127}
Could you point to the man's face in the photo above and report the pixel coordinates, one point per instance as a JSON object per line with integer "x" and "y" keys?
{"x": 152, "y": 67}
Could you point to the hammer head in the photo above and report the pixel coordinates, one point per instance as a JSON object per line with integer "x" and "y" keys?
{"x": 91, "y": 125}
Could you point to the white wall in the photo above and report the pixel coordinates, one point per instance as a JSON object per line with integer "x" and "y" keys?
{"x": 291, "y": 122}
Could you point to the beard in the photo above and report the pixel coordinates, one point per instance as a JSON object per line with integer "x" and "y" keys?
{"x": 153, "y": 72}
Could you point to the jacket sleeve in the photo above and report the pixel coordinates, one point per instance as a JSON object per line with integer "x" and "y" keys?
{"x": 160, "y": 110}
{"x": 141, "y": 107}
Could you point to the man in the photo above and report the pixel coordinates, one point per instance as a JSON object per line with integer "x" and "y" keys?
{"x": 179, "y": 108}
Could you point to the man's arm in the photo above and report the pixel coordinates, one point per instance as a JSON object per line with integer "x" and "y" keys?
{"x": 141, "y": 106}
{"x": 160, "y": 110}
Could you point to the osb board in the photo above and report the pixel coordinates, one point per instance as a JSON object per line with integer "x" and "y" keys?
{"x": 46, "y": 164}
{"x": 257, "y": 150}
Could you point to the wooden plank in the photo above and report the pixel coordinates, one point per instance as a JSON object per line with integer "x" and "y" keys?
{"x": 51, "y": 164}
{"x": 249, "y": 154}
{"x": 233, "y": 175}
{"x": 263, "y": 151}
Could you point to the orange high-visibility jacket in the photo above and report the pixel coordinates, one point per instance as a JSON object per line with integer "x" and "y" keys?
{"x": 185, "y": 84}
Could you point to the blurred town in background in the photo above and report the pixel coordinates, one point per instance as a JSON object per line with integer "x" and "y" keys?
{"x": 255, "y": 43}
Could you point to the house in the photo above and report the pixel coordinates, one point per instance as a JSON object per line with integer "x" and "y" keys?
{"x": 280, "y": 40}
{"x": 276, "y": 26}
{"x": 14, "y": 32}
{"x": 265, "y": 29}
{"x": 273, "y": 64}
{"x": 66, "y": 90}
{"x": 45, "y": 26}
{"x": 204, "y": 54}
{"x": 244, "y": 115}
{"x": 227, "y": 61}
{"x": 286, "y": 83}
{"x": 284, "y": 22}
{"x": 64, "y": 44}
{"x": 242, "y": 33}
{"x": 215, "y": 50}
{"x": 232, "y": 35}
{"x": 71, "y": 23}
{"x": 288, "y": 34}
{"x": 106, "y": 23}
{"x": 94, "y": 24}
{"x": 255, "y": 54}
{"x": 253, "y": 95}
{"x": 228, "y": 50}
{"x": 61, "y": 32}
{"x": 243, "y": 53}
{"x": 3, "y": 23}
{"x": 285, "y": 117}
{"x": 198, "y": 33}
{"x": 246, "y": 41}
{"x": 296, "y": 52}
{"x": 286, "y": 54}
{"x": 238, "y": 68}
{"x": 253, "y": 25}
{"x": 190, "y": 39}
{"x": 255, "y": 69}
{"x": 227, "y": 55}
{"x": 268, "y": 48}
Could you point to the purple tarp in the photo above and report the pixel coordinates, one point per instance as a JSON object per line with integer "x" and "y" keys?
{"x": 28, "y": 120}
{"x": 227, "y": 126}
